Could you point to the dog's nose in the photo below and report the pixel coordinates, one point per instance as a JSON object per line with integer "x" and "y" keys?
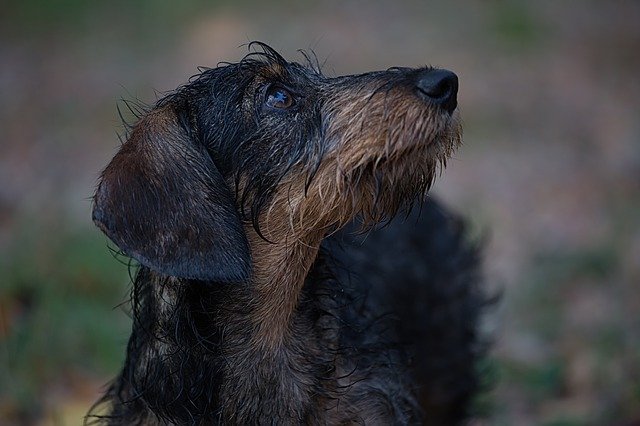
{"x": 439, "y": 87}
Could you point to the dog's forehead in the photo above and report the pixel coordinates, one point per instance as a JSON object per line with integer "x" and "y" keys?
{"x": 288, "y": 72}
{"x": 251, "y": 73}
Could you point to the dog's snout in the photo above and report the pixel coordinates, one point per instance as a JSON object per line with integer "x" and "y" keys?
{"x": 439, "y": 87}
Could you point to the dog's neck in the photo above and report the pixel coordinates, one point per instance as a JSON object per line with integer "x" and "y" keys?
{"x": 280, "y": 267}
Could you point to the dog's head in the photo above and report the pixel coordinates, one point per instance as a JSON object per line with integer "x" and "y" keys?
{"x": 275, "y": 145}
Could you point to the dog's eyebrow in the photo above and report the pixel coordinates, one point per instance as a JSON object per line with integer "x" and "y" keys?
{"x": 274, "y": 71}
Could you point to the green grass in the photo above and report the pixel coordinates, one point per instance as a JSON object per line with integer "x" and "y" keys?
{"x": 566, "y": 421}
{"x": 514, "y": 24}
{"x": 137, "y": 22}
{"x": 542, "y": 381}
{"x": 57, "y": 299}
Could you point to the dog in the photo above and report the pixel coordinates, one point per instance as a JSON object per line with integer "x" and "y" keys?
{"x": 274, "y": 286}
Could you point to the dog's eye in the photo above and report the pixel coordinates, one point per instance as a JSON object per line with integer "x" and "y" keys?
{"x": 279, "y": 98}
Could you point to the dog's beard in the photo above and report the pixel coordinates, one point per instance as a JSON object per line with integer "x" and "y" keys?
{"x": 373, "y": 164}
{"x": 394, "y": 179}
{"x": 371, "y": 193}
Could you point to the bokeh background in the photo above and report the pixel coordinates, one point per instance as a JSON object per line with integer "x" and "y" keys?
{"x": 550, "y": 172}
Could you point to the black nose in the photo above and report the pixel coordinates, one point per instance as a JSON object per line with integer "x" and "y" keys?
{"x": 439, "y": 87}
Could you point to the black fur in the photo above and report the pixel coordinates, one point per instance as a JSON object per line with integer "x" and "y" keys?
{"x": 384, "y": 329}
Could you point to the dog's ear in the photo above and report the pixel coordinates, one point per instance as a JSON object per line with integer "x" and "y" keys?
{"x": 164, "y": 203}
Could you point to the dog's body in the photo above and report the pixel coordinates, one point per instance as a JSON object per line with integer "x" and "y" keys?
{"x": 255, "y": 303}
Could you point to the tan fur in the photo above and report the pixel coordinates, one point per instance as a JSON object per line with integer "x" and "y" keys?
{"x": 382, "y": 133}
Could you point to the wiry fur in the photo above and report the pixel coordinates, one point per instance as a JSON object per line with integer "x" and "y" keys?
{"x": 243, "y": 309}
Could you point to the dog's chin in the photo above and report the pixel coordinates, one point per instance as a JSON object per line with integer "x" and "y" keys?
{"x": 390, "y": 192}
{"x": 393, "y": 184}
{"x": 430, "y": 141}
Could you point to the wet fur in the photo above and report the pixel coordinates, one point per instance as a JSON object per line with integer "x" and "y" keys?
{"x": 244, "y": 309}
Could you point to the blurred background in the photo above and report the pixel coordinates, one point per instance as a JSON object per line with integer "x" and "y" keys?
{"x": 550, "y": 171}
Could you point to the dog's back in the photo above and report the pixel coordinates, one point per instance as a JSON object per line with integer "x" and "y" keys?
{"x": 422, "y": 278}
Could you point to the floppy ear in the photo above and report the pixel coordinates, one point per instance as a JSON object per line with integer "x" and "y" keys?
{"x": 163, "y": 202}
